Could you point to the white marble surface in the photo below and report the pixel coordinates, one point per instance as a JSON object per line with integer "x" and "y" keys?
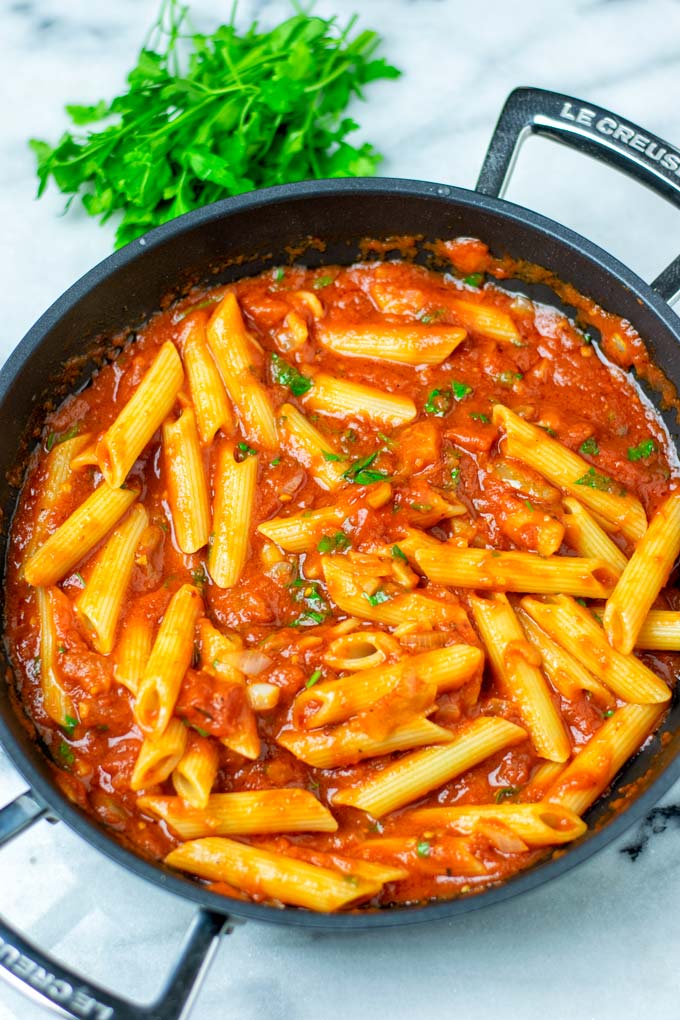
{"x": 598, "y": 944}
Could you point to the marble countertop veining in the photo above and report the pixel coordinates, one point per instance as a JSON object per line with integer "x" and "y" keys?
{"x": 600, "y": 942}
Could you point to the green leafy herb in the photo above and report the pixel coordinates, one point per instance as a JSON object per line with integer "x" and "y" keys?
{"x": 460, "y": 389}
{"x": 438, "y": 402}
{"x": 316, "y": 675}
{"x": 594, "y": 480}
{"x": 455, "y": 475}
{"x": 199, "y": 578}
{"x": 479, "y": 416}
{"x": 548, "y": 430}
{"x": 505, "y": 792}
{"x": 474, "y": 279}
{"x": 361, "y": 473}
{"x": 62, "y": 649}
{"x": 245, "y": 450}
{"x": 423, "y": 848}
{"x": 508, "y": 378}
{"x": 55, "y": 438}
{"x": 321, "y": 282}
{"x": 80, "y": 578}
{"x": 642, "y": 451}
{"x": 69, "y": 725}
{"x": 397, "y": 554}
{"x": 206, "y": 116}
{"x": 609, "y": 713}
{"x": 287, "y": 375}
{"x": 65, "y": 753}
{"x": 333, "y": 543}
{"x": 308, "y": 618}
{"x": 378, "y": 598}
{"x": 582, "y": 602}
{"x": 589, "y": 446}
{"x": 279, "y": 274}
{"x": 529, "y": 505}
{"x": 432, "y": 316}
{"x": 587, "y": 338}
{"x": 273, "y": 463}
{"x": 327, "y": 455}
{"x": 421, "y": 508}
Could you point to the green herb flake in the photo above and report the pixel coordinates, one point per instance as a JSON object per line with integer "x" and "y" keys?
{"x": 62, "y": 649}
{"x": 199, "y": 729}
{"x": 529, "y": 505}
{"x": 288, "y": 376}
{"x": 438, "y": 403}
{"x": 80, "y": 578}
{"x": 460, "y": 390}
{"x": 548, "y": 430}
{"x": 308, "y": 619}
{"x": 65, "y": 753}
{"x": 275, "y": 462}
{"x": 505, "y": 792}
{"x": 642, "y": 451}
{"x": 423, "y": 848}
{"x": 474, "y": 279}
{"x": 316, "y": 675}
{"x": 589, "y": 446}
{"x": 455, "y": 475}
{"x": 609, "y": 713}
{"x": 333, "y": 543}
{"x": 378, "y": 598}
{"x": 360, "y": 473}
{"x": 327, "y": 455}
{"x": 69, "y": 725}
{"x": 508, "y": 378}
{"x": 592, "y": 479}
{"x": 55, "y": 438}
{"x": 479, "y": 416}
{"x": 421, "y": 508}
{"x": 245, "y": 450}
{"x": 199, "y": 577}
{"x": 582, "y": 602}
{"x": 397, "y": 554}
{"x": 279, "y": 274}
{"x": 432, "y": 316}
{"x": 321, "y": 282}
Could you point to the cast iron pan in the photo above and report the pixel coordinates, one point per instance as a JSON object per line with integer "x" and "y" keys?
{"x": 247, "y": 234}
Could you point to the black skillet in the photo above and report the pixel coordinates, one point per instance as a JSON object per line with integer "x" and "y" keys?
{"x": 247, "y": 234}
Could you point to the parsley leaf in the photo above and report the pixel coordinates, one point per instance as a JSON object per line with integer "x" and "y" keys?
{"x": 65, "y": 755}
{"x": 287, "y": 375}
{"x": 54, "y": 438}
{"x": 327, "y": 455}
{"x": 642, "y": 451}
{"x": 210, "y": 115}
{"x": 474, "y": 279}
{"x": 479, "y": 416}
{"x": 423, "y": 848}
{"x": 398, "y": 554}
{"x": 321, "y": 282}
{"x": 378, "y": 598}
{"x": 360, "y": 471}
{"x": 505, "y": 792}
{"x": 333, "y": 543}
{"x": 438, "y": 402}
{"x": 316, "y": 675}
{"x": 589, "y": 446}
{"x": 460, "y": 389}
{"x": 69, "y": 725}
{"x": 594, "y": 480}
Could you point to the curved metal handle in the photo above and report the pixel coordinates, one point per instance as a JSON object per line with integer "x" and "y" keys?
{"x": 592, "y": 130}
{"x": 54, "y": 985}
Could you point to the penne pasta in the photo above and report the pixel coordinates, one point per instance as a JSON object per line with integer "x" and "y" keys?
{"x": 216, "y": 651}
{"x": 565, "y": 672}
{"x": 58, "y": 468}
{"x": 434, "y": 855}
{"x": 272, "y": 875}
{"x": 573, "y": 626}
{"x": 645, "y": 575}
{"x": 234, "y": 487}
{"x": 208, "y": 395}
{"x": 310, "y": 448}
{"x": 660, "y": 631}
{"x": 515, "y": 664}
{"x": 145, "y": 411}
{"x": 571, "y": 473}
{"x": 589, "y": 539}
{"x": 515, "y": 571}
{"x": 158, "y": 756}
{"x": 56, "y": 702}
{"x": 542, "y": 778}
{"x": 243, "y": 813}
{"x": 593, "y": 769}
{"x": 410, "y": 344}
{"x": 341, "y": 398}
{"x": 169, "y": 660}
{"x": 78, "y": 535}
{"x": 132, "y": 652}
{"x": 486, "y": 320}
{"x": 541, "y": 824}
{"x": 349, "y": 742}
{"x": 416, "y": 774}
{"x": 447, "y": 669}
{"x": 302, "y": 531}
{"x": 186, "y": 483}
{"x": 233, "y": 348}
{"x": 195, "y": 772}
{"x": 99, "y": 603}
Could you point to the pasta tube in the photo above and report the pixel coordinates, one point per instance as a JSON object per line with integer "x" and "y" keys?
{"x": 158, "y": 756}
{"x": 514, "y": 663}
{"x": 244, "y": 813}
{"x": 660, "y": 631}
{"x": 132, "y": 652}
{"x": 78, "y": 535}
{"x": 99, "y": 603}
{"x": 344, "y": 399}
{"x": 233, "y": 503}
{"x": 187, "y": 486}
{"x": 310, "y": 448}
{"x": 232, "y": 349}
{"x": 645, "y": 575}
{"x": 596, "y": 764}
{"x": 208, "y": 395}
{"x": 349, "y": 743}
{"x": 540, "y": 824}
{"x": 584, "y": 534}
{"x": 571, "y": 625}
{"x": 195, "y": 772}
{"x": 56, "y": 701}
{"x": 515, "y": 571}
{"x": 150, "y": 404}
{"x": 301, "y": 532}
{"x": 58, "y": 467}
{"x": 416, "y": 774}
{"x": 410, "y": 344}
{"x": 169, "y": 660}
{"x": 271, "y": 875}
{"x": 571, "y": 473}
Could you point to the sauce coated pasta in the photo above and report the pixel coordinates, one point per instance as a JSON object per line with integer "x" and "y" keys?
{"x": 346, "y": 588}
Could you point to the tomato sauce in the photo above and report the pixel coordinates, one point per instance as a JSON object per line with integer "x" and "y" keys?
{"x": 551, "y": 374}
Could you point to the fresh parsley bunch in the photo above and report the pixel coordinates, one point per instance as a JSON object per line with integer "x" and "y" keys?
{"x": 206, "y": 116}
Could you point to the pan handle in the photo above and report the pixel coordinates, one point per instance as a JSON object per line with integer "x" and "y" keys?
{"x": 53, "y": 985}
{"x": 592, "y": 130}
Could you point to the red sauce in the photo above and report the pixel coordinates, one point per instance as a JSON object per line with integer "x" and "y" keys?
{"x": 551, "y": 374}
